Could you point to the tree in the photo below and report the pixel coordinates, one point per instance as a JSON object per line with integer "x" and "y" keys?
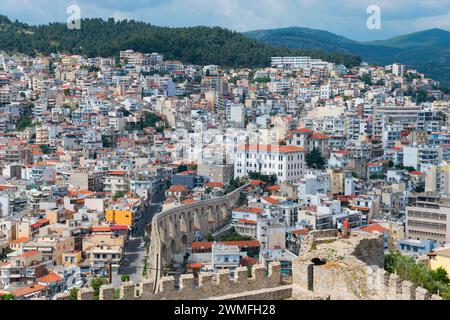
{"x": 8, "y": 296}
{"x": 408, "y": 269}
{"x": 441, "y": 275}
{"x": 24, "y": 123}
{"x": 125, "y": 278}
{"x": 74, "y": 294}
{"x": 45, "y": 149}
{"x": 182, "y": 168}
{"x": 314, "y": 159}
{"x": 67, "y": 92}
{"x": 118, "y": 195}
{"x": 420, "y": 189}
{"x": 96, "y": 283}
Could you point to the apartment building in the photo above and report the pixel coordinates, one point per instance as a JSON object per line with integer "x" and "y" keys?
{"x": 438, "y": 179}
{"x": 428, "y": 218}
{"x": 287, "y": 163}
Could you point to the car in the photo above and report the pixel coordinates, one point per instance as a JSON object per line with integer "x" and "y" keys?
{"x": 142, "y": 246}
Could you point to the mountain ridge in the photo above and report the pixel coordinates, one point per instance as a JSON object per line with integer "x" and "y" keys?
{"x": 411, "y": 49}
{"x": 196, "y": 45}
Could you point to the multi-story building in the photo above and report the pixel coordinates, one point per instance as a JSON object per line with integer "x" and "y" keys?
{"x": 428, "y": 218}
{"x": 287, "y": 163}
{"x": 438, "y": 179}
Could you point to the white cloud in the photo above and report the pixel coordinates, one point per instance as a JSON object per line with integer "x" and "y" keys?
{"x": 346, "y": 17}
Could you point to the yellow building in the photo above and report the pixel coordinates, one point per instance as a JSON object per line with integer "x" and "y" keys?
{"x": 119, "y": 217}
{"x": 71, "y": 258}
{"x": 441, "y": 258}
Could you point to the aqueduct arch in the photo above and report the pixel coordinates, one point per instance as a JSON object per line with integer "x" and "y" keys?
{"x": 175, "y": 228}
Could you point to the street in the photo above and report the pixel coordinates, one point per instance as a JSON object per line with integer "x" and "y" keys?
{"x": 134, "y": 255}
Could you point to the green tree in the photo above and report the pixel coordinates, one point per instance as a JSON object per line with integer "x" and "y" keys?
{"x": 117, "y": 293}
{"x": 408, "y": 269}
{"x": 96, "y": 283}
{"x": 24, "y": 123}
{"x": 314, "y": 159}
{"x": 125, "y": 278}
{"x": 440, "y": 275}
{"x": 8, "y": 296}
{"x": 74, "y": 294}
{"x": 118, "y": 195}
{"x": 45, "y": 149}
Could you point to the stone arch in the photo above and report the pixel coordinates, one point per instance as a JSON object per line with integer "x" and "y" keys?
{"x": 184, "y": 243}
{"x": 171, "y": 230}
{"x": 182, "y": 222}
{"x": 211, "y": 219}
{"x": 162, "y": 232}
{"x": 224, "y": 212}
{"x": 196, "y": 218}
{"x": 173, "y": 247}
{"x": 164, "y": 256}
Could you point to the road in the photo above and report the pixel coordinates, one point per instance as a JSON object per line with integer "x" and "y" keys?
{"x": 134, "y": 255}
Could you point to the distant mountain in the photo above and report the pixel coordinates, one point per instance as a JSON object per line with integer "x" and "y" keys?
{"x": 423, "y": 39}
{"x": 197, "y": 45}
{"x": 428, "y": 51}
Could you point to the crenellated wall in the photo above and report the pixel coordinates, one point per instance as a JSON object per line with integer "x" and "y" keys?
{"x": 264, "y": 284}
{"x": 391, "y": 287}
{"x": 349, "y": 269}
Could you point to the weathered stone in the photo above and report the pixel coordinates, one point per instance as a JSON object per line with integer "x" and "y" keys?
{"x": 186, "y": 281}
{"x": 422, "y": 294}
{"x": 408, "y": 291}
{"x": 394, "y": 289}
{"x": 274, "y": 273}
{"x": 167, "y": 284}
{"x": 127, "y": 291}
{"x": 107, "y": 292}
{"x": 62, "y": 296}
{"x": 86, "y": 294}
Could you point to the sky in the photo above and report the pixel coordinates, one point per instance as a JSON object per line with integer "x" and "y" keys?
{"x": 343, "y": 17}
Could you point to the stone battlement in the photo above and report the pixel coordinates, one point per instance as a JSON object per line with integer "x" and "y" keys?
{"x": 264, "y": 283}
{"x": 349, "y": 269}
{"x": 391, "y": 287}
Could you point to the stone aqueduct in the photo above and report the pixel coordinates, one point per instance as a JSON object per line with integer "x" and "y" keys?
{"x": 174, "y": 230}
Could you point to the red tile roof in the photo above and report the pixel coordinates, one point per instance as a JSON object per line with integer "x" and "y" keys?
{"x": 177, "y": 188}
{"x": 375, "y": 228}
{"x": 249, "y": 210}
{"x": 273, "y": 188}
{"x": 301, "y": 130}
{"x": 246, "y": 221}
{"x": 270, "y": 200}
{"x": 20, "y": 240}
{"x": 215, "y": 185}
{"x": 28, "y": 290}
{"x": 49, "y": 278}
{"x": 189, "y": 201}
{"x": 318, "y": 136}
{"x": 256, "y": 182}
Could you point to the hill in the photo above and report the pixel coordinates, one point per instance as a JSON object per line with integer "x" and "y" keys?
{"x": 197, "y": 45}
{"x": 427, "y": 38}
{"x": 413, "y": 49}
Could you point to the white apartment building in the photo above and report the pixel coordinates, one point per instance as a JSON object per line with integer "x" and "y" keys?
{"x": 286, "y": 162}
{"x": 294, "y": 62}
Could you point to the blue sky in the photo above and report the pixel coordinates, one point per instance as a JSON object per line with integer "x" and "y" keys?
{"x": 344, "y": 17}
